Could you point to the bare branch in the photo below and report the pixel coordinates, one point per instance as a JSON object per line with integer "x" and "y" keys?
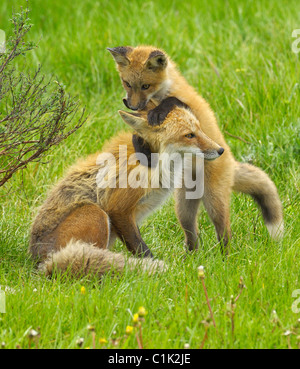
{"x": 35, "y": 115}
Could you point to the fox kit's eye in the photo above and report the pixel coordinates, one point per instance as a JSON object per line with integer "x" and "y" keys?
{"x": 145, "y": 87}
{"x": 190, "y": 135}
{"x": 127, "y": 84}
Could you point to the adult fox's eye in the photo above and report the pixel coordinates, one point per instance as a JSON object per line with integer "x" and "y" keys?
{"x": 190, "y": 135}
{"x": 145, "y": 87}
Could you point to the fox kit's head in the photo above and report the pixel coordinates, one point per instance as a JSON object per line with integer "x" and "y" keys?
{"x": 180, "y": 133}
{"x": 143, "y": 71}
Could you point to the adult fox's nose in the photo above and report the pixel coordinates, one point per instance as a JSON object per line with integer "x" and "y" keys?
{"x": 220, "y": 151}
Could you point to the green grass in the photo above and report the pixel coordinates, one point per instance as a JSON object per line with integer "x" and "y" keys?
{"x": 238, "y": 56}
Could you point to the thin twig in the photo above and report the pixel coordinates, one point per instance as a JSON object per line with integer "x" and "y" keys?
{"x": 233, "y": 305}
{"x": 186, "y": 300}
{"x": 139, "y": 337}
{"x": 205, "y": 337}
{"x": 208, "y": 303}
{"x": 201, "y": 275}
{"x": 238, "y": 137}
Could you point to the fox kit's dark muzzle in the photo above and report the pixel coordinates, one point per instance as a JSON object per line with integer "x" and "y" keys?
{"x": 140, "y": 106}
{"x": 126, "y": 104}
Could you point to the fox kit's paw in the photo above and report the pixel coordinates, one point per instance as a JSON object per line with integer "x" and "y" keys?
{"x": 157, "y": 115}
{"x": 142, "y": 147}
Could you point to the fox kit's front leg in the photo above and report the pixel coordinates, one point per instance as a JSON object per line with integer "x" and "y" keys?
{"x": 186, "y": 211}
{"x": 127, "y": 230}
{"x": 157, "y": 115}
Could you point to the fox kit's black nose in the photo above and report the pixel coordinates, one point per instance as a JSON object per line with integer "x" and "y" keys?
{"x": 220, "y": 151}
{"x": 128, "y": 106}
{"x": 126, "y": 103}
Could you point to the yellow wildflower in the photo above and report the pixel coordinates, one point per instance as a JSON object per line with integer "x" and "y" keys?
{"x": 129, "y": 329}
{"x": 135, "y": 318}
{"x": 142, "y": 311}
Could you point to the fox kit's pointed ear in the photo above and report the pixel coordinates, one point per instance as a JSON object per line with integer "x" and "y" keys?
{"x": 157, "y": 61}
{"x": 120, "y": 54}
{"x": 136, "y": 121}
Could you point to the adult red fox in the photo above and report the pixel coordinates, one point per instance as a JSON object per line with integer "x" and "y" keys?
{"x": 81, "y": 218}
{"x": 147, "y": 72}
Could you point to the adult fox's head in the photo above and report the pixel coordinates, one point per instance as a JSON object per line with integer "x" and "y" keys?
{"x": 143, "y": 71}
{"x": 179, "y": 133}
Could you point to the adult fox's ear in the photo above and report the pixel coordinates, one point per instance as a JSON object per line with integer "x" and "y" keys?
{"x": 135, "y": 120}
{"x": 157, "y": 61}
{"x": 119, "y": 54}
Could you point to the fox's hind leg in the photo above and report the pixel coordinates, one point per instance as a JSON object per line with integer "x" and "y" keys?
{"x": 217, "y": 204}
{"x": 89, "y": 224}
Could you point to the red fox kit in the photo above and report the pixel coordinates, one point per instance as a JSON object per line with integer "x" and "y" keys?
{"x": 147, "y": 72}
{"x": 80, "y": 219}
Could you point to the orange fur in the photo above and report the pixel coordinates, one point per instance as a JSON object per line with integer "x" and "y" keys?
{"x": 80, "y": 212}
{"x": 147, "y": 65}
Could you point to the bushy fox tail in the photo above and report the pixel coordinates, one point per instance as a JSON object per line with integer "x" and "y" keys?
{"x": 253, "y": 181}
{"x": 80, "y": 258}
